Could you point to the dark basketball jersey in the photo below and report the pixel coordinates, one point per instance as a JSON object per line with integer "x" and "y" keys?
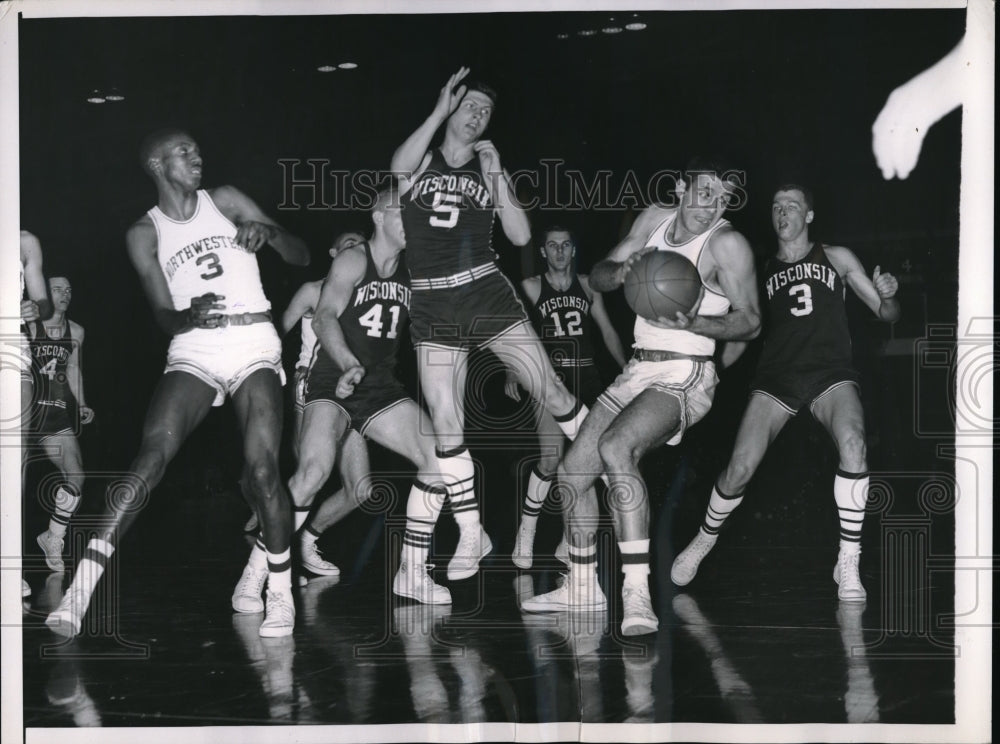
{"x": 50, "y": 357}
{"x": 448, "y": 218}
{"x": 565, "y": 323}
{"x": 808, "y": 319}
{"x": 376, "y": 315}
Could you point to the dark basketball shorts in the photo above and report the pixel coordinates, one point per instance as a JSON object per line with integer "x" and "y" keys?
{"x": 378, "y": 392}
{"x": 582, "y": 381}
{"x": 465, "y": 316}
{"x": 49, "y": 418}
{"x": 793, "y": 391}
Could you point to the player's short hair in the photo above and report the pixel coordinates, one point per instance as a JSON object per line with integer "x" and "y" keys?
{"x": 549, "y": 229}
{"x": 718, "y": 164}
{"x": 485, "y": 88}
{"x": 338, "y": 242}
{"x": 152, "y": 141}
{"x": 807, "y": 193}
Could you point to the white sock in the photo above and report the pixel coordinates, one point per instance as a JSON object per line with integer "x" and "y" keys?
{"x": 583, "y": 562}
{"x": 279, "y": 571}
{"x": 66, "y": 502}
{"x": 571, "y": 421}
{"x": 458, "y": 472}
{"x": 538, "y": 489}
{"x": 300, "y": 514}
{"x": 720, "y": 506}
{"x": 258, "y": 556}
{"x": 850, "y": 491}
{"x": 423, "y": 506}
{"x": 635, "y": 560}
{"x": 91, "y": 567}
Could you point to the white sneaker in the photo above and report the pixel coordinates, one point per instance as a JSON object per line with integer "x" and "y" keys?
{"x": 524, "y": 546}
{"x": 279, "y": 617}
{"x": 414, "y": 582}
{"x": 845, "y": 573}
{"x": 52, "y": 546}
{"x": 572, "y": 596}
{"x": 562, "y": 552}
{"x": 246, "y": 595}
{"x": 687, "y": 562}
{"x": 314, "y": 562}
{"x": 639, "y": 617}
{"x": 67, "y": 618}
{"x": 473, "y": 544}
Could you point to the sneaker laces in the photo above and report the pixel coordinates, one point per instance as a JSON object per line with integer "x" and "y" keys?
{"x": 700, "y": 546}
{"x": 279, "y": 607}
{"x": 636, "y": 600}
{"x": 252, "y": 582}
{"x": 848, "y": 566}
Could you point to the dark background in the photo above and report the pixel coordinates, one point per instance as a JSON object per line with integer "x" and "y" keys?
{"x": 787, "y": 95}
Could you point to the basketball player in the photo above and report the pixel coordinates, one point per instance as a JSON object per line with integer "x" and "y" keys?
{"x": 55, "y": 350}
{"x": 805, "y": 364}
{"x": 36, "y": 306}
{"x": 194, "y": 253}
{"x": 666, "y": 387}
{"x": 352, "y": 392}
{"x": 460, "y": 298}
{"x": 565, "y": 305}
{"x": 301, "y": 307}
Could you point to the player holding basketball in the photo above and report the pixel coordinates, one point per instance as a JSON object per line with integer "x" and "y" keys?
{"x": 55, "y": 349}
{"x": 666, "y": 387}
{"x": 194, "y": 253}
{"x": 565, "y": 305}
{"x": 352, "y": 392}
{"x": 805, "y": 363}
{"x": 460, "y": 298}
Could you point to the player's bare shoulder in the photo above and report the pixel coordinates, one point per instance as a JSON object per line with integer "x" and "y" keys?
{"x": 76, "y": 330}
{"x": 141, "y": 238}
{"x": 842, "y": 259}
{"x": 350, "y": 264}
{"x": 532, "y": 287}
{"x": 651, "y": 218}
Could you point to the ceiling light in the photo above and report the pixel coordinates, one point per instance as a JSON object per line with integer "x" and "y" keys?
{"x": 114, "y": 96}
{"x": 562, "y": 35}
{"x": 586, "y": 32}
{"x": 635, "y": 26}
{"x": 326, "y": 68}
{"x": 611, "y": 30}
{"x": 96, "y": 96}
{"x": 347, "y": 65}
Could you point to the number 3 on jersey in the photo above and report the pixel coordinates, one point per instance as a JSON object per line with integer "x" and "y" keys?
{"x": 803, "y": 295}
{"x": 372, "y": 320}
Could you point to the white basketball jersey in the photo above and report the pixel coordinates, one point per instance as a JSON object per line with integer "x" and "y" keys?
{"x": 308, "y": 341}
{"x": 648, "y": 336}
{"x": 200, "y": 255}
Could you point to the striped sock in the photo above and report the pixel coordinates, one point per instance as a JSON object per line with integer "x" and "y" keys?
{"x": 66, "y": 502}
{"x": 583, "y": 561}
{"x": 279, "y": 571}
{"x": 300, "y": 514}
{"x": 571, "y": 421}
{"x": 635, "y": 560}
{"x": 534, "y": 499}
{"x": 720, "y": 506}
{"x": 850, "y": 491}
{"x": 456, "y": 467}
{"x": 422, "y": 509}
{"x": 308, "y": 535}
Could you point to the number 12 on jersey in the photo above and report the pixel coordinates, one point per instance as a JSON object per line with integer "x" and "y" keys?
{"x": 372, "y": 320}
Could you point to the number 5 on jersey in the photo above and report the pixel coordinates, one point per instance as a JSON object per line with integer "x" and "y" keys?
{"x": 372, "y": 320}
{"x": 446, "y": 204}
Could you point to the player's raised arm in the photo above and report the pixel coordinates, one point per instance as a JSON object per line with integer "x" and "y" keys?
{"x": 34, "y": 280}
{"x": 141, "y": 243}
{"x": 302, "y": 302}
{"x": 513, "y": 220}
{"x": 347, "y": 269}
{"x": 254, "y": 229}
{"x": 409, "y": 156}
{"x": 599, "y": 313}
{"x": 610, "y": 273}
{"x": 878, "y": 292}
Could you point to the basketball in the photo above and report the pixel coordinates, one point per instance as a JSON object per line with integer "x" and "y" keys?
{"x": 662, "y": 284}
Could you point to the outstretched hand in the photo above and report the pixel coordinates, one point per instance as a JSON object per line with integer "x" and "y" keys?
{"x": 252, "y": 236}
{"x": 449, "y": 97}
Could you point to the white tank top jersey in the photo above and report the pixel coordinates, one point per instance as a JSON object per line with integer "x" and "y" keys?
{"x": 308, "y": 341}
{"x": 200, "y": 255}
{"x": 648, "y": 336}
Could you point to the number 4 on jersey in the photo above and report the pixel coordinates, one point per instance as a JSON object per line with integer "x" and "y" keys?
{"x": 372, "y": 320}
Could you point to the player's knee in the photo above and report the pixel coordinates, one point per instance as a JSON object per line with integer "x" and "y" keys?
{"x": 309, "y": 476}
{"x": 736, "y": 475}
{"x": 261, "y": 477}
{"x": 615, "y": 452}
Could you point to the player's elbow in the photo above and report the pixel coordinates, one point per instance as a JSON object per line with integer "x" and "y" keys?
{"x": 753, "y": 326}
